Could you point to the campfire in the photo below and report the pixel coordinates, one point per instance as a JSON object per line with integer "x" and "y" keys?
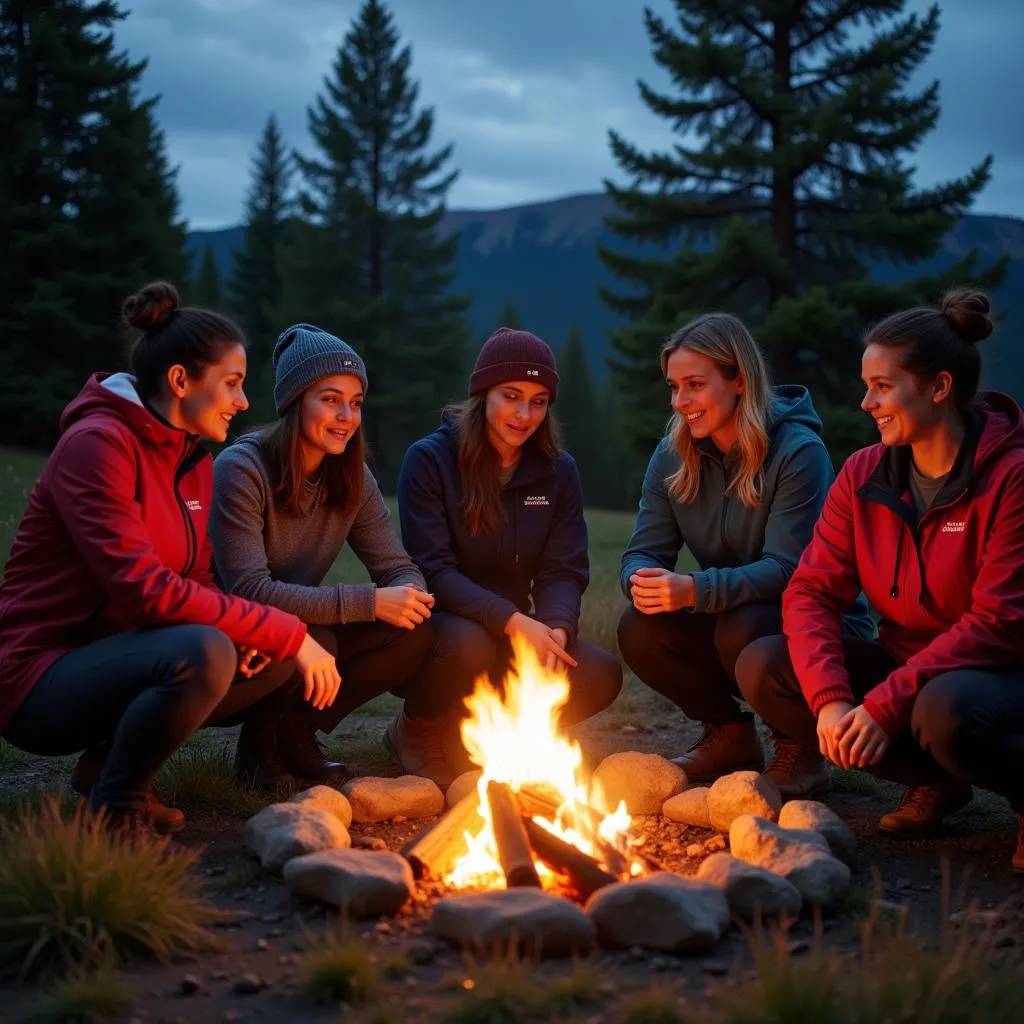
{"x": 535, "y": 817}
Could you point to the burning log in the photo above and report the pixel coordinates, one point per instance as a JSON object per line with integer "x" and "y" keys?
{"x": 433, "y": 853}
{"x": 585, "y": 875}
{"x": 510, "y": 837}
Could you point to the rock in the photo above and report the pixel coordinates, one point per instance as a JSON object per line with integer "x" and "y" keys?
{"x": 248, "y": 985}
{"x": 283, "y": 831}
{"x": 715, "y": 844}
{"x": 815, "y": 816}
{"x": 532, "y": 920}
{"x": 664, "y": 911}
{"x": 369, "y": 843}
{"x": 358, "y": 882}
{"x": 689, "y": 807}
{"x": 694, "y": 850}
{"x": 742, "y": 793}
{"x": 800, "y": 856}
{"x": 979, "y": 918}
{"x": 375, "y": 799}
{"x": 325, "y": 798}
{"x": 750, "y": 890}
{"x": 462, "y": 786}
{"x": 190, "y": 985}
{"x": 643, "y": 781}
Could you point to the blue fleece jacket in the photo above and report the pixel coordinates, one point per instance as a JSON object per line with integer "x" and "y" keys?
{"x": 540, "y": 555}
{"x": 745, "y": 554}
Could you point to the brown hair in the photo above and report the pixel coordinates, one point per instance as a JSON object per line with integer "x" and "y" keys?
{"x": 729, "y": 345}
{"x": 173, "y": 335}
{"x": 479, "y": 466}
{"x": 933, "y": 340}
{"x": 281, "y": 446}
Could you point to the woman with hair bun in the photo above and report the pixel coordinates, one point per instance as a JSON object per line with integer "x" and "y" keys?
{"x": 930, "y": 524}
{"x": 114, "y": 639}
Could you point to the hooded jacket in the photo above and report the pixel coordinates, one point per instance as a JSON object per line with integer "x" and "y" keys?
{"x": 745, "y": 554}
{"x": 540, "y": 555}
{"x": 113, "y": 539}
{"x": 948, "y": 586}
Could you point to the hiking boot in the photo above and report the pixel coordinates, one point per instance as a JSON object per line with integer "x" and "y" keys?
{"x": 798, "y": 772}
{"x": 302, "y": 754}
{"x": 416, "y": 744}
{"x": 154, "y": 812}
{"x": 922, "y": 808}
{"x": 1018, "y": 855}
{"x": 454, "y": 749}
{"x": 721, "y": 750}
{"x": 258, "y": 761}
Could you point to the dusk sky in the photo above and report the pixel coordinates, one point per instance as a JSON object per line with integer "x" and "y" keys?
{"x": 526, "y": 90}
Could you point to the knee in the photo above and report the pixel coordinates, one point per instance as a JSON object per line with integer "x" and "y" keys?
{"x": 943, "y": 717}
{"x": 762, "y": 660}
{"x": 466, "y": 648}
{"x": 738, "y": 628}
{"x": 637, "y": 633}
{"x": 606, "y": 677}
{"x": 212, "y": 659}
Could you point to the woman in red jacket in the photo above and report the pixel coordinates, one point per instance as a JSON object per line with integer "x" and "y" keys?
{"x": 114, "y": 639}
{"x": 930, "y": 523}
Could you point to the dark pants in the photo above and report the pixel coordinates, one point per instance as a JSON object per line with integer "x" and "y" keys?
{"x": 968, "y": 724}
{"x": 690, "y": 657}
{"x": 469, "y": 651}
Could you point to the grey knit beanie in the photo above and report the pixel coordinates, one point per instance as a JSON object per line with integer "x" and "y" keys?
{"x": 305, "y": 354}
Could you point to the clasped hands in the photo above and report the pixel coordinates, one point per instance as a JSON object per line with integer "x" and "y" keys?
{"x": 849, "y": 737}
{"x": 549, "y": 643}
{"x": 654, "y": 590}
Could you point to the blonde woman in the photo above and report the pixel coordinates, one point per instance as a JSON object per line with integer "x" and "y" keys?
{"x": 739, "y": 479}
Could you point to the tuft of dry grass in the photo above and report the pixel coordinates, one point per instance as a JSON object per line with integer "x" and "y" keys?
{"x": 200, "y": 779}
{"x": 338, "y": 968}
{"x": 84, "y": 998}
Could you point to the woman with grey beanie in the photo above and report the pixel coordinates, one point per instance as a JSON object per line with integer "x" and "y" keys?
{"x": 286, "y": 499}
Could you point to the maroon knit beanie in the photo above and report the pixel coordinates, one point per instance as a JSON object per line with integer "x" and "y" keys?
{"x": 509, "y": 355}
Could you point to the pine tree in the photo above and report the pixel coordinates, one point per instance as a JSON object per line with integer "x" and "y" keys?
{"x": 786, "y": 180}
{"x": 370, "y": 263}
{"x": 89, "y": 210}
{"x": 576, "y": 412}
{"x": 509, "y": 316}
{"x": 206, "y": 289}
{"x": 255, "y": 286}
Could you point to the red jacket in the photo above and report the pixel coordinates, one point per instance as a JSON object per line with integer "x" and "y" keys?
{"x": 114, "y": 539}
{"x": 949, "y": 588}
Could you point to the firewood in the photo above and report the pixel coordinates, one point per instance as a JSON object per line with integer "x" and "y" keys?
{"x": 434, "y": 852}
{"x": 514, "y": 851}
{"x": 584, "y": 874}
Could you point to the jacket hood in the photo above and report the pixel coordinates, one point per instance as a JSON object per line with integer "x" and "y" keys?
{"x": 792, "y": 404}
{"x": 1004, "y": 426}
{"x": 114, "y": 395}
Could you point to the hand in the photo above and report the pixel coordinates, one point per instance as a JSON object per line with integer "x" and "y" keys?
{"x": 552, "y": 662}
{"x": 828, "y": 718}
{"x": 658, "y": 590}
{"x": 861, "y": 740}
{"x": 405, "y": 606}
{"x": 544, "y": 640}
{"x": 251, "y": 662}
{"x": 320, "y": 672}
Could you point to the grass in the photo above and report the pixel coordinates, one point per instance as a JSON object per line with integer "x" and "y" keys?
{"x": 200, "y": 779}
{"x": 340, "y": 969}
{"x": 83, "y": 997}
{"x": 651, "y": 1006}
{"x": 75, "y": 894}
{"x": 12, "y": 757}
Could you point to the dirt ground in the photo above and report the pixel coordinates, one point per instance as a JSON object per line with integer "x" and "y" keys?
{"x": 271, "y": 929}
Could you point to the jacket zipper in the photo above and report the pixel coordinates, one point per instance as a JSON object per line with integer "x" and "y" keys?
{"x": 187, "y": 462}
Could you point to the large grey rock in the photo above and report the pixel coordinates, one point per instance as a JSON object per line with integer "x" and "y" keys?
{"x": 325, "y": 798}
{"x": 742, "y": 793}
{"x": 358, "y": 882}
{"x": 689, "y": 807}
{"x": 800, "y": 856}
{"x": 750, "y": 890}
{"x": 374, "y": 799}
{"x": 663, "y": 911}
{"x": 531, "y": 920}
{"x": 643, "y": 781}
{"x": 462, "y": 786}
{"x": 283, "y": 831}
{"x": 814, "y": 816}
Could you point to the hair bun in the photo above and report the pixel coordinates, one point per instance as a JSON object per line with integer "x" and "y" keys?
{"x": 967, "y": 313}
{"x": 150, "y": 307}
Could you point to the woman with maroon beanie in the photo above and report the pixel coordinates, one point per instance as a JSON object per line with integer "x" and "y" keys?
{"x": 114, "y": 638}
{"x": 930, "y": 523}
{"x": 491, "y": 510}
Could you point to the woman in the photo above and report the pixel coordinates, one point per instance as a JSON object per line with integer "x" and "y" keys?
{"x": 739, "y": 479}
{"x": 492, "y": 511}
{"x": 113, "y": 637}
{"x": 286, "y": 500}
{"x": 930, "y": 523}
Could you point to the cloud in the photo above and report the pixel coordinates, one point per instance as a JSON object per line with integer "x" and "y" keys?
{"x": 526, "y": 91}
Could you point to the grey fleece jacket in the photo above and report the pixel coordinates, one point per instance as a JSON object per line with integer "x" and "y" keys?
{"x": 745, "y": 554}
{"x": 277, "y": 558}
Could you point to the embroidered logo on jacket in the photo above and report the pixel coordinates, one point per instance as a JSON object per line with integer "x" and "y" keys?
{"x": 954, "y": 526}
{"x": 536, "y": 499}
{"x": 193, "y": 505}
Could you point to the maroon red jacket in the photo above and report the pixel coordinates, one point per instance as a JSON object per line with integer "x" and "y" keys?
{"x": 948, "y": 587}
{"x": 114, "y": 539}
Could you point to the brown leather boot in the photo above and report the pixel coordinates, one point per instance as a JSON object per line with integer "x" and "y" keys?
{"x": 922, "y": 808}
{"x": 1018, "y": 854}
{"x": 302, "y": 754}
{"x": 153, "y": 813}
{"x": 416, "y": 744}
{"x": 721, "y": 750}
{"x": 799, "y": 773}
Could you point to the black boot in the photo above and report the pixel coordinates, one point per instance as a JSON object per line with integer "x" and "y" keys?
{"x": 258, "y": 761}
{"x": 302, "y": 754}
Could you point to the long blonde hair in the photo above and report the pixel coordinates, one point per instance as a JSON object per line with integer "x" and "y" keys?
{"x": 729, "y": 345}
